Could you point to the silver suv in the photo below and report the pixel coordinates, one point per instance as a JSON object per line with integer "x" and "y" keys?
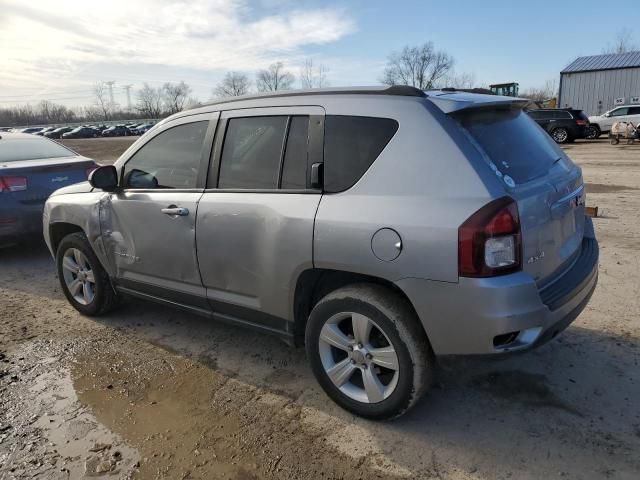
{"x": 381, "y": 227}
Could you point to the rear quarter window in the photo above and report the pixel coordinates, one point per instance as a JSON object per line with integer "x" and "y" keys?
{"x": 351, "y": 145}
{"x": 512, "y": 141}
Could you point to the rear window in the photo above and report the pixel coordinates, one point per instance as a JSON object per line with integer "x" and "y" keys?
{"x": 579, "y": 114}
{"x": 512, "y": 141}
{"x": 14, "y": 150}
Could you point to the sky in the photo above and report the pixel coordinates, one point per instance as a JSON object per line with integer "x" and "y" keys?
{"x": 57, "y": 50}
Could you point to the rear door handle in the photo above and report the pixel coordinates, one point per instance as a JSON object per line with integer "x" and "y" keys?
{"x": 174, "y": 211}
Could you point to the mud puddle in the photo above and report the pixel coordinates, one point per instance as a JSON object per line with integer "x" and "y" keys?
{"x": 119, "y": 408}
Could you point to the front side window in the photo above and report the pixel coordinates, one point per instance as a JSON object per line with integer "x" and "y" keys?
{"x": 169, "y": 160}
{"x": 619, "y": 112}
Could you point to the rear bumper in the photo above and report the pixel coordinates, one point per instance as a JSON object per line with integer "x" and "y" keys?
{"x": 18, "y": 220}
{"x": 502, "y": 314}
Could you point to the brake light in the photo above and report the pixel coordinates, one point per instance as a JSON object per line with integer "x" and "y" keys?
{"x": 88, "y": 171}
{"x": 13, "y": 184}
{"x": 581, "y": 122}
{"x": 489, "y": 241}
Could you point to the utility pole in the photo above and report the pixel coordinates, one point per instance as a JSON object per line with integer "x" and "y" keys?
{"x": 128, "y": 89}
{"x": 110, "y": 84}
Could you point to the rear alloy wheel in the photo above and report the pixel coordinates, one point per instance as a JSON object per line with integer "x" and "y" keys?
{"x": 368, "y": 351}
{"x": 84, "y": 282}
{"x": 593, "y": 132}
{"x": 560, "y": 135}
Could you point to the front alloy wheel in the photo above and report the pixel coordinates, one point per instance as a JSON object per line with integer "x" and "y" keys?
{"x": 560, "y": 135}
{"x": 78, "y": 276}
{"x": 83, "y": 280}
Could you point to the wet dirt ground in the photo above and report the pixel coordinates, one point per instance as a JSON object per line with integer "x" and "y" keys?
{"x": 148, "y": 392}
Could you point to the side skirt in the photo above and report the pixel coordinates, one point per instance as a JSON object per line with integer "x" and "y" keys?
{"x": 221, "y": 317}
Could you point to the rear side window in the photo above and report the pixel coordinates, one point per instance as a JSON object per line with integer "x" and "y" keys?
{"x": 294, "y": 170}
{"x": 634, "y": 111}
{"x": 513, "y": 142}
{"x": 16, "y": 149}
{"x": 251, "y": 153}
{"x": 579, "y": 114}
{"x": 169, "y": 160}
{"x": 351, "y": 144}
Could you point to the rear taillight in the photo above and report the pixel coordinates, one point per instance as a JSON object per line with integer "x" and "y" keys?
{"x": 581, "y": 122}
{"x": 13, "y": 184}
{"x": 489, "y": 241}
{"x": 88, "y": 171}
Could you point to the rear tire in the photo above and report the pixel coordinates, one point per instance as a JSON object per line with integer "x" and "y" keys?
{"x": 83, "y": 280}
{"x": 368, "y": 351}
{"x": 560, "y": 135}
{"x": 593, "y": 132}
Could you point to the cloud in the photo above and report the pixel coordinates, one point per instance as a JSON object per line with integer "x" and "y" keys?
{"x": 209, "y": 35}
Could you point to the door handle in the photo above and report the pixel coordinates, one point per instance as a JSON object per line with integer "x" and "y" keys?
{"x": 174, "y": 211}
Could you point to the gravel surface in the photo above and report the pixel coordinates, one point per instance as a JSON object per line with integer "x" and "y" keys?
{"x": 148, "y": 392}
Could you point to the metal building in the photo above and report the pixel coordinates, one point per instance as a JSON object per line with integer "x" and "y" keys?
{"x": 598, "y": 83}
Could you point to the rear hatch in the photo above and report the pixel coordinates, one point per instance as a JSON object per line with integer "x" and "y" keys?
{"x": 545, "y": 183}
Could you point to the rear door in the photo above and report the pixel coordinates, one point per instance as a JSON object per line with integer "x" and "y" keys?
{"x": 633, "y": 115}
{"x": 148, "y": 225}
{"x": 255, "y": 220}
{"x": 547, "y": 186}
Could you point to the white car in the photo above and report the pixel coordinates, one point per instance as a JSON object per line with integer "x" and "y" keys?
{"x": 624, "y": 113}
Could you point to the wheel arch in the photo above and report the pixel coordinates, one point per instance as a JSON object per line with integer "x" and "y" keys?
{"x": 59, "y": 230}
{"x": 315, "y": 283}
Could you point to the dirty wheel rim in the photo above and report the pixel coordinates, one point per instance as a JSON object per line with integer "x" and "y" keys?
{"x": 78, "y": 276}
{"x": 560, "y": 135}
{"x": 358, "y": 357}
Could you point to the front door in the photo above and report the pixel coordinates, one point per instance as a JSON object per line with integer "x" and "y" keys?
{"x": 149, "y": 223}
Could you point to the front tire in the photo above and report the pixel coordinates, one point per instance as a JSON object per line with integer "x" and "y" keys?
{"x": 560, "y": 135}
{"x": 368, "y": 351}
{"x": 83, "y": 280}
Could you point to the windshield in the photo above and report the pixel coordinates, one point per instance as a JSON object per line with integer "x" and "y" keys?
{"x": 514, "y": 144}
{"x": 18, "y": 149}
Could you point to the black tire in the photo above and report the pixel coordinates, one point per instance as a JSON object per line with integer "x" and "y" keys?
{"x": 105, "y": 298}
{"x": 395, "y": 318}
{"x": 593, "y": 132}
{"x": 560, "y": 135}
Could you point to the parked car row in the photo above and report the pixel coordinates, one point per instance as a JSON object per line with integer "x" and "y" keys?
{"x": 87, "y": 131}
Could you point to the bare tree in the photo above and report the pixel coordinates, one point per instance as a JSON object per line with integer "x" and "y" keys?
{"x": 422, "y": 66}
{"x": 233, "y": 84}
{"x": 540, "y": 94}
{"x": 313, "y": 77}
{"x": 174, "y": 96}
{"x": 457, "y": 80}
{"x": 274, "y": 78}
{"x": 102, "y": 99}
{"x": 623, "y": 42}
{"x": 150, "y": 101}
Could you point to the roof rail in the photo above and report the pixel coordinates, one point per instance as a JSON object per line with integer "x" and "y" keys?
{"x": 398, "y": 90}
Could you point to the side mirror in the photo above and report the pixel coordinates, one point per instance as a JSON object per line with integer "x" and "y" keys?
{"x": 105, "y": 178}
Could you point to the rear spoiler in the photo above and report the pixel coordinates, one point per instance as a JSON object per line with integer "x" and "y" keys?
{"x": 457, "y": 101}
